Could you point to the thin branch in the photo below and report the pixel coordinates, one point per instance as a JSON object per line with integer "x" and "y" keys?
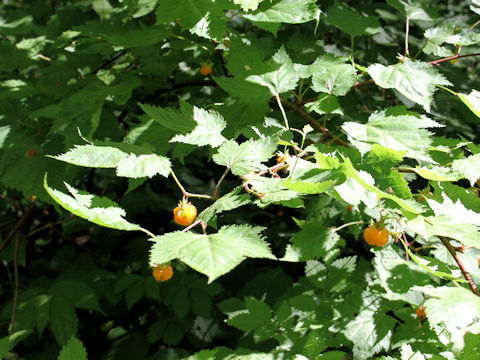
{"x": 185, "y": 192}
{"x": 407, "y": 29}
{"x": 456, "y": 56}
{"x": 147, "y": 232}
{"x": 15, "y": 290}
{"x": 279, "y": 102}
{"x": 347, "y": 224}
{"x": 313, "y": 122}
{"x": 17, "y": 227}
{"x": 465, "y": 273}
{"x": 222, "y": 60}
{"x": 219, "y": 182}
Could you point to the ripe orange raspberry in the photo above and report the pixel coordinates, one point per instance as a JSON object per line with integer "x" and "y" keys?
{"x": 185, "y": 213}
{"x": 162, "y": 272}
{"x": 31, "y": 152}
{"x": 421, "y": 314}
{"x": 205, "y": 70}
{"x": 376, "y": 235}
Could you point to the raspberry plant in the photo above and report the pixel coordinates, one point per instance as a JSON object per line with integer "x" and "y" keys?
{"x": 315, "y": 119}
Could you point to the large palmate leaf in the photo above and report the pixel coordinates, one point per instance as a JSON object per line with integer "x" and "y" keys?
{"x": 447, "y": 33}
{"x": 415, "y": 80}
{"x": 99, "y": 210}
{"x": 246, "y": 157}
{"x": 169, "y": 117}
{"x": 213, "y": 254}
{"x": 350, "y": 21}
{"x": 421, "y": 10}
{"x": 208, "y": 130}
{"x": 127, "y": 165}
{"x": 395, "y": 129}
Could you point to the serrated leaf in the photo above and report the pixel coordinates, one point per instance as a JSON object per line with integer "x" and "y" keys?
{"x": 248, "y": 4}
{"x": 210, "y": 27}
{"x": 101, "y": 211}
{"x": 469, "y": 167}
{"x": 414, "y": 9}
{"x": 286, "y": 11}
{"x": 325, "y": 104}
{"x": 462, "y": 316}
{"x": 246, "y": 157}
{"x": 408, "y": 205}
{"x": 370, "y": 331}
{"x": 401, "y": 131}
{"x": 63, "y": 319}
{"x": 472, "y": 101}
{"x": 446, "y": 225}
{"x": 92, "y": 156}
{"x": 415, "y": 80}
{"x": 143, "y": 166}
{"x": 314, "y": 240}
{"x": 213, "y": 255}
{"x": 77, "y": 293}
{"x": 256, "y": 314}
{"x": 169, "y": 117}
{"x": 456, "y": 211}
{"x": 73, "y": 350}
{"x": 229, "y": 201}
{"x": 208, "y": 130}
{"x": 332, "y": 75}
{"x": 308, "y": 187}
{"x": 283, "y": 79}
{"x": 437, "y": 173}
{"x": 350, "y": 21}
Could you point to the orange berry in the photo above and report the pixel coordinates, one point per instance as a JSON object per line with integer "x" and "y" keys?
{"x": 206, "y": 70}
{"x": 31, "y": 152}
{"x": 376, "y": 236}
{"x": 349, "y": 208}
{"x": 185, "y": 213}
{"x": 421, "y": 314}
{"x": 162, "y": 272}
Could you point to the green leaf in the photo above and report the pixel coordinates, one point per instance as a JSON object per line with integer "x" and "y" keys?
{"x": 448, "y": 226}
{"x": 325, "y": 104}
{"x": 469, "y": 167}
{"x": 143, "y": 166}
{"x": 308, "y": 187}
{"x": 414, "y": 9}
{"x": 286, "y": 11}
{"x": 256, "y": 314}
{"x": 452, "y": 312}
{"x": 248, "y": 4}
{"x": 73, "y": 350}
{"x": 128, "y": 165}
{"x": 314, "y": 240}
{"x": 415, "y": 80}
{"x": 63, "y": 319}
{"x": 437, "y": 173}
{"x": 169, "y": 117}
{"x": 395, "y": 129}
{"x": 208, "y": 130}
{"x": 408, "y": 205}
{"x": 472, "y": 101}
{"x": 78, "y": 293}
{"x": 246, "y": 157}
{"x": 446, "y": 34}
{"x": 281, "y": 80}
{"x": 245, "y": 91}
{"x": 229, "y": 201}
{"x": 332, "y": 75}
{"x": 92, "y": 156}
{"x": 350, "y": 21}
{"x": 213, "y": 255}
{"x": 370, "y": 331}
{"x": 101, "y": 211}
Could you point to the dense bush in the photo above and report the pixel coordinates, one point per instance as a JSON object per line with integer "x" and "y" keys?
{"x": 330, "y": 149}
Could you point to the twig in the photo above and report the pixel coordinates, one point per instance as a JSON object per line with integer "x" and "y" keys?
{"x": 313, "y": 122}
{"x": 456, "y": 56}
{"x": 15, "y": 290}
{"x": 219, "y": 182}
{"x": 185, "y": 192}
{"x": 465, "y": 273}
{"x": 222, "y": 61}
{"x": 347, "y": 224}
{"x": 279, "y": 102}
{"x": 407, "y": 29}
{"x": 17, "y": 227}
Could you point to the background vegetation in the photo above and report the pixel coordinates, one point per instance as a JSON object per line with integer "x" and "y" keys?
{"x": 316, "y": 119}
